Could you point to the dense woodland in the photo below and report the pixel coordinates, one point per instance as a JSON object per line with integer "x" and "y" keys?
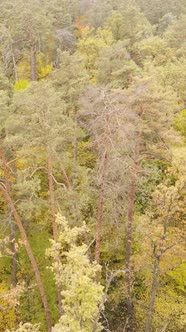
{"x": 92, "y": 165}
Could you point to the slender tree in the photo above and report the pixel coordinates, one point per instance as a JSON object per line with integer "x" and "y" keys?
{"x": 47, "y": 118}
{"x": 7, "y": 193}
{"x": 142, "y": 102}
{"x": 167, "y": 199}
{"x": 28, "y": 27}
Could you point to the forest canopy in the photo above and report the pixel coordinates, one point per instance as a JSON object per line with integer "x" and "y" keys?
{"x": 92, "y": 166}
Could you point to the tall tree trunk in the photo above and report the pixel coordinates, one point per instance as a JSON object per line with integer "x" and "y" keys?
{"x": 15, "y": 66}
{"x": 10, "y": 203}
{"x": 74, "y": 175}
{"x": 13, "y": 239}
{"x": 14, "y": 252}
{"x": 152, "y": 294}
{"x": 33, "y": 63}
{"x": 100, "y": 209}
{"x": 12, "y": 228}
{"x": 54, "y": 225}
{"x": 130, "y": 215}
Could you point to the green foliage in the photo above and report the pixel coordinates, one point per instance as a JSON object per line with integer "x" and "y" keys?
{"x": 155, "y": 49}
{"x": 115, "y": 66}
{"x": 91, "y": 45}
{"x": 175, "y": 33}
{"x": 30, "y": 305}
{"x": 156, "y": 9}
{"x": 107, "y": 81}
{"x": 180, "y": 122}
{"x": 70, "y": 79}
{"x": 129, "y": 24}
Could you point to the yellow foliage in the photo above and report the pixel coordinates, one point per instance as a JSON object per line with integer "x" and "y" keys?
{"x": 90, "y": 47}
{"x": 43, "y": 67}
{"x": 44, "y": 71}
{"x": 21, "y": 85}
{"x": 7, "y": 309}
{"x": 26, "y": 157}
{"x": 24, "y": 70}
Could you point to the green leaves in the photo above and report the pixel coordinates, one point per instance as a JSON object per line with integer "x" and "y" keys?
{"x": 180, "y": 122}
{"x": 108, "y": 84}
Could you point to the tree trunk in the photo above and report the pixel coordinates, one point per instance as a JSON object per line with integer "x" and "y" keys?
{"x": 11, "y": 43}
{"x": 100, "y": 210}
{"x": 7, "y": 194}
{"x": 14, "y": 66}
{"x": 12, "y": 236}
{"x": 130, "y": 215}
{"x": 152, "y": 295}
{"x": 14, "y": 252}
{"x": 33, "y": 63}
{"x": 12, "y": 228}
{"x": 66, "y": 179}
{"x": 74, "y": 175}
{"x": 54, "y": 225}
{"x": 51, "y": 193}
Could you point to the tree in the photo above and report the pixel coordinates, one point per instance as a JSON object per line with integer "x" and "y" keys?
{"x": 9, "y": 52}
{"x": 163, "y": 228}
{"x": 116, "y": 67}
{"x": 7, "y": 193}
{"x": 129, "y": 24}
{"x": 29, "y": 28}
{"x": 95, "y": 138}
{"x": 145, "y": 101}
{"x": 5, "y": 97}
{"x": 43, "y": 115}
{"x": 155, "y": 10}
{"x": 105, "y": 116}
{"x": 175, "y": 34}
{"x": 82, "y": 296}
{"x": 96, "y": 12}
{"x": 90, "y": 46}
{"x": 168, "y": 199}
